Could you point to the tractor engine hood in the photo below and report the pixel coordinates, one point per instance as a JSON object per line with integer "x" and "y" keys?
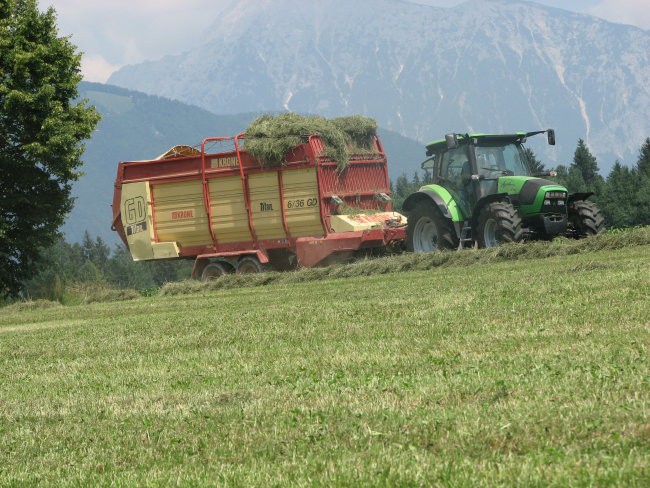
{"x": 527, "y": 188}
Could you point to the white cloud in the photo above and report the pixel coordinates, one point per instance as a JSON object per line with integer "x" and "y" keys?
{"x": 131, "y": 31}
{"x": 96, "y": 68}
{"x": 631, "y": 12}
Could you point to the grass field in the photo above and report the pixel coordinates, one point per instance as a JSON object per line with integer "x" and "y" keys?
{"x": 534, "y": 372}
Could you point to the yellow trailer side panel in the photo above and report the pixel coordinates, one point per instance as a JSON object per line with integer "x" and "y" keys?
{"x": 180, "y": 216}
{"x": 264, "y": 193}
{"x": 180, "y": 213}
{"x": 228, "y": 209}
{"x": 136, "y": 218}
{"x": 301, "y": 203}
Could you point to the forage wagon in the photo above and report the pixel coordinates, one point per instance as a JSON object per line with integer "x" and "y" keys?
{"x": 231, "y": 212}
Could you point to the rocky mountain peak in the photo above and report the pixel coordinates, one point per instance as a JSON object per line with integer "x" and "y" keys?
{"x": 484, "y": 65}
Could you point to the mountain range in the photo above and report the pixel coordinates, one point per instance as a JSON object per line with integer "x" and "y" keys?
{"x": 482, "y": 66}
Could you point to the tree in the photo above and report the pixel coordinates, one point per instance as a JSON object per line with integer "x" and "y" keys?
{"x": 403, "y": 187}
{"x": 643, "y": 191}
{"x": 97, "y": 252}
{"x": 618, "y": 197}
{"x": 643, "y": 164}
{"x": 585, "y": 164}
{"x": 41, "y": 134}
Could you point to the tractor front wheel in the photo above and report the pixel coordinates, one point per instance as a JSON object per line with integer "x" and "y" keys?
{"x": 585, "y": 219}
{"x": 427, "y": 230}
{"x": 498, "y": 223}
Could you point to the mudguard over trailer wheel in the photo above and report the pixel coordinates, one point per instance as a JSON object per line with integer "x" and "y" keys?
{"x": 428, "y": 231}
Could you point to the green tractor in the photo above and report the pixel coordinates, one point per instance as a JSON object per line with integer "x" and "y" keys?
{"x": 484, "y": 193}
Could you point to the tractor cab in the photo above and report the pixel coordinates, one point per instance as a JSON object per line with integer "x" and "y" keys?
{"x": 475, "y": 166}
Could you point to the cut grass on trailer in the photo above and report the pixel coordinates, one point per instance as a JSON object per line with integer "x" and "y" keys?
{"x": 529, "y": 372}
{"x": 269, "y": 138}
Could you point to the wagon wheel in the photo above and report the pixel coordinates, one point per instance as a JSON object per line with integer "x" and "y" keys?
{"x": 213, "y": 271}
{"x": 250, "y": 265}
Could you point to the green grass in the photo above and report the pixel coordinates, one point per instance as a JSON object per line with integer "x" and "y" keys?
{"x": 419, "y": 262}
{"x": 533, "y": 372}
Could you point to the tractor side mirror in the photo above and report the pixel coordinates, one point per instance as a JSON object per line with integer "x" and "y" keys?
{"x": 550, "y": 135}
{"x": 451, "y": 141}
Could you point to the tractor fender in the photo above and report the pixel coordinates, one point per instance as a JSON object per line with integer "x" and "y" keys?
{"x": 482, "y": 202}
{"x": 427, "y": 195}
{"x": 574, "y": 197}
{"x": 432, "y": 195}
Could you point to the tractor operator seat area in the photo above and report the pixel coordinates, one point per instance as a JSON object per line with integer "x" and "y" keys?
{"x": 456, "y": 172}
{"x": 455, "y": 168}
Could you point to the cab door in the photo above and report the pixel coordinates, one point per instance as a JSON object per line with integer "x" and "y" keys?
{"x": 456, "y": 175}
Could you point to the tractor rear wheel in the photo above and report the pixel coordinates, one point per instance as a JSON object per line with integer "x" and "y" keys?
{"x": 498, "y": 223}
{"x": 427, "y": 230}
{"x": 213, "y": 271}
{"x": 585, "y": 219}
{"x": 250, "y": 265}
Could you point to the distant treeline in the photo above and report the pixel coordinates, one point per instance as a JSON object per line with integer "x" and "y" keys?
{"x": 68, "y": 269}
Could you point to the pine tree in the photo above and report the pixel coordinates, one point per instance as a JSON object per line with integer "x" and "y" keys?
{"x": 642, "y": 199}
{"x": 96, "y": 251}
{"x": 585, "y": 162}
{"x": 643, "y": 163}
{"x": 618, "y": 197}
{"x": 584, "y": 167}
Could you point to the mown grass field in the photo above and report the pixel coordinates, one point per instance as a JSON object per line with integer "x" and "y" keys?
{"x": 534, "y": 372}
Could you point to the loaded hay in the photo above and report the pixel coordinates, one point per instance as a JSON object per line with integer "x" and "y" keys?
{"x": 269, "y": 138}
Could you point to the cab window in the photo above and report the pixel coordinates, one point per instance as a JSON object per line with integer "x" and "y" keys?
{"x": 455, "y": 167}
{"x": 497, "y": 160}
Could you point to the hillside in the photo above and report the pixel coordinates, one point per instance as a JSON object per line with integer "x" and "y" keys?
{"x": 483, "y": 66}
{"x": 451, "y": 376}
{"x": 138, "y": 126}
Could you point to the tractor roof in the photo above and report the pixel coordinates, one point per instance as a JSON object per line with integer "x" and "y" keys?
{"x": 517, "y": 136}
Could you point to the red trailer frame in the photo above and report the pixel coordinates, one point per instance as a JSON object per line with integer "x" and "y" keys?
{"x": 358, "y": 185}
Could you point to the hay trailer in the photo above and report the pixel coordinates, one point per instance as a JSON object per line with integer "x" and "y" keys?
{"x": 230, "y": 213}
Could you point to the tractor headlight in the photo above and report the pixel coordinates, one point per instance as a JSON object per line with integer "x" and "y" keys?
{"x": 556, "y": 194}
{"x": 547, "y": 202}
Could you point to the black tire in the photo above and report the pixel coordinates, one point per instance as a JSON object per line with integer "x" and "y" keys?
{"x": 427, "y": 230}
{"x": 213, "y": 271}
{"x": 498, "y": 223}
{"x": 585, "y": 219}
{"x": 250, "y": 265}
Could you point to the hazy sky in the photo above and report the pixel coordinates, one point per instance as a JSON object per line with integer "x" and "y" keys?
{"x": 113, "y": 33}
